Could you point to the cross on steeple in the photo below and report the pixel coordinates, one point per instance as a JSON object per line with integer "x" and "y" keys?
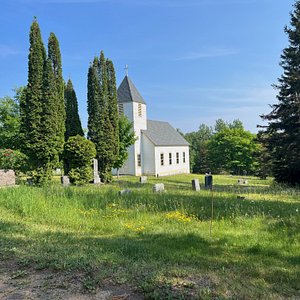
{"x": 126, "y": 70}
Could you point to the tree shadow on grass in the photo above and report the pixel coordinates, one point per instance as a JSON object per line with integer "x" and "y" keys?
{"x": 148, "y": 257}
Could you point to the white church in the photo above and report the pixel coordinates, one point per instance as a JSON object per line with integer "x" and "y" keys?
{"x": 159, "y": 150}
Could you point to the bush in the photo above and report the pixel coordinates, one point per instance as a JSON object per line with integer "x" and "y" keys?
{"x": 78, "y": 155}
{"x": 12, "y": 160}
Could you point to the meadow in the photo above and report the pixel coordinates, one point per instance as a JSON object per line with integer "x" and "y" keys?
{"x": 160, "y": 244}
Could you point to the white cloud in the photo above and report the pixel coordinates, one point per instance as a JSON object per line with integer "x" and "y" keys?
{"x": 207, "y": 53}
{"x": 7, "y": 51}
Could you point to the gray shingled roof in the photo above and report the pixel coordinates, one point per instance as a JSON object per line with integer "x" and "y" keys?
{"x": 163, "y": 134}
{"x": 127, "y": 92}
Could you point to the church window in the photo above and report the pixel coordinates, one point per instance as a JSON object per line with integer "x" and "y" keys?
{"x": 121, "y": 108}
{"x": 139, "y": 162}
{"x": 177, "y": 157}
{"x": 170, "y": 158}
{"x": 139, "y": 109}
{"x": 161, "y": 159}
{"x": 183, "y": 157}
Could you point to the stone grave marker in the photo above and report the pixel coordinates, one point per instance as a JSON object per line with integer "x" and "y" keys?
{"x": 124, "y": 192}
{"x": 143, "y": 179}
{"x": 7, "y": 177}
{"x": 158, "y": 187}
{"x": 65, "y": 180}
{"x": 208, "y": 181}
{"x": 97, "y": 179}
{"x": 196, "y": 185}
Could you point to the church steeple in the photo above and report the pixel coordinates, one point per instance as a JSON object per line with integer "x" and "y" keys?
{"x": 127, "y": 92}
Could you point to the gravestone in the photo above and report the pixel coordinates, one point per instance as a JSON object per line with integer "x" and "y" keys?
{"x": 143, "y": 179}
{"x": 158, "y": 187}
{"x": 65, "y": 180}
{"x": 208, "y": 181}
{"x": 97, "y": 179}
{"x": 7, "y": 177}
{"x": 124, "y": 192}
{"x": 196, "y": 185}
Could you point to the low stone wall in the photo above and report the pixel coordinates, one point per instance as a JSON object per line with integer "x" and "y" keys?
{"x": 7, "y": 177}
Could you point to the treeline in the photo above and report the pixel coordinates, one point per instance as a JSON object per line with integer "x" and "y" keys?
{"x": 42, "y": 124}
{"x": 225, "y": 147}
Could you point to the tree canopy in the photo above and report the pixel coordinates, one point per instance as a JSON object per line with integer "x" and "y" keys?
{"x": 282, "y": 134}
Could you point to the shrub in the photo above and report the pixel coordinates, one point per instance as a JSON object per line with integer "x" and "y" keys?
{"x": 12, "y": 160}
{"x": 78, "y": 154}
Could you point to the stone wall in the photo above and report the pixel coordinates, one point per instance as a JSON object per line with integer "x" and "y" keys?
{"x": 7, "y": 177}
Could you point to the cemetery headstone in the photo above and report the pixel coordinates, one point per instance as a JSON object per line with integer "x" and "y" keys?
{"x": 124, "y": 192}
{"x": 158, "y": 187}
{"x": 143, "y": 179}
{"x": 196, "y": 185}
{"x": 97, "y": 179}
{"x": 7, "y": 177}
{"x": 208, "y": 181}
{"x": 65, "y": 180}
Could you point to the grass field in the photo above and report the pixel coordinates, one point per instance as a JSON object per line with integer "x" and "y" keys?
{"x": 160, "y": 244}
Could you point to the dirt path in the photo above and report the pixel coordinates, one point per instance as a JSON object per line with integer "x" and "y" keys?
{"x": 19, "y": 283}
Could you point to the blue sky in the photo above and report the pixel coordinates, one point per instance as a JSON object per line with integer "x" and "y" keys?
{"x": 193, "y": 61}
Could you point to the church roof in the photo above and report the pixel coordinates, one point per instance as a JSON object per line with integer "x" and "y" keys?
{"x": 163, "y": 134}
{"x": 127, "y": 92}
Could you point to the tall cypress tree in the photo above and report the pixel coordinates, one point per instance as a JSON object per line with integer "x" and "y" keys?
{"x": 49, "y": 138}
{"x": 282, "y": 134}
{"x": 31, "y": 108}
{"x": 113, "y": 106}
{"x": 73, "y": 123}
{"x": 55, "y": 58}
{"x": 93, "y": 101}
{"x": 100, "y": 127}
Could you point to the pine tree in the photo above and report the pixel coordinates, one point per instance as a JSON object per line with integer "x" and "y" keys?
{"x": 282, "y": 134}
{"x": 60, "y": 111}
{"x": 31, "y": 108}
{"x": 73, "y": 123}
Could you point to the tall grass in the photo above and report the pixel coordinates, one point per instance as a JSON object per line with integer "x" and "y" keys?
{"x": 160, "y": 243}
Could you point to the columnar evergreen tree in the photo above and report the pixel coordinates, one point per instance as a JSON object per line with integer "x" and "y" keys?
{"x": 31, "y": 107}
{"x": 113, "y": 106}
{"x": 42, "y": 109}
{"x": 49, "y": 140}
{"x": 102, "y": 129}
{"x": 73, "y": 123}
{"x": 60, "y": 111}
{"x": 282, "y": 134}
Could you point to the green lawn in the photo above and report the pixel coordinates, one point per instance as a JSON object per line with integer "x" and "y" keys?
{"x": 160, "y": 244}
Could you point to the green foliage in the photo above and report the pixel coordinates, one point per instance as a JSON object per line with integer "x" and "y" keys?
{"x": 31, "y": 108}
{"x": 59, "y": 109}
{"x": 102, "y": 110}
{"x": 9, "y": 122}
{"x": 282, "y": 134}
{"x": 12, "y": 159}
{"x": 78, "y": 155}
{"x": 73, "y": 123}
{"x": 126, "y": 139}
{"x": 113, "y": 107}
{"x": 42, "y": 110}
{"x": 199, "y": 160}
{"x": 232, "y": 149}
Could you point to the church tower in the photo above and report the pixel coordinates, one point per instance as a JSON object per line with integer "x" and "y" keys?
{"x": 133, "y": 106}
